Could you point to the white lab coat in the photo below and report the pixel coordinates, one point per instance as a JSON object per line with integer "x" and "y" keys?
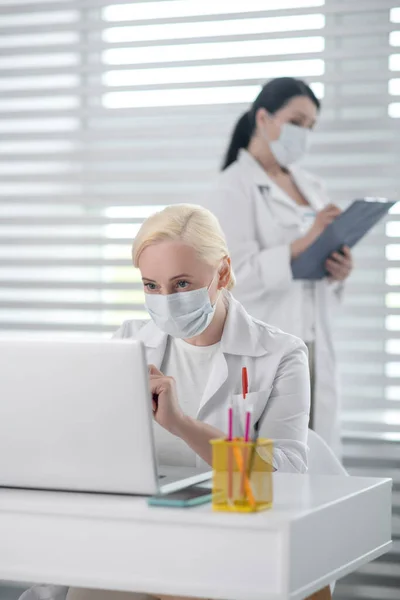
{"x": 278, "y": 381}
{"x": 260, "y": 222}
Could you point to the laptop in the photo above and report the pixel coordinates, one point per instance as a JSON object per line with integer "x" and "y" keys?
{"x": 77, "y": 416}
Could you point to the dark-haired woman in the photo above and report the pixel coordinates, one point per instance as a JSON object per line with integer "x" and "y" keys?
{"x": 271, "y": 211}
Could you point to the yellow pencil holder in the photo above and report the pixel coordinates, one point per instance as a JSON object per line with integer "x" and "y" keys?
{"x": 242, "y": 475}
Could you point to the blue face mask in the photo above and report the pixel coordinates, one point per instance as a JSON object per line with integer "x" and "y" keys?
{"x": 182, "y": 315}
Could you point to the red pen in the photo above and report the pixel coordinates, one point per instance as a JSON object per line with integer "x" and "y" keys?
{"x": 245, "y": 383}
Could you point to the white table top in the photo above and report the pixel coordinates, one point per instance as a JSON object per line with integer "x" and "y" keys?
{"x": 320, "y": 528}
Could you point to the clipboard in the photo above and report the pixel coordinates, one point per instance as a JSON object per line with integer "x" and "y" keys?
{"x": 346, "y": 230}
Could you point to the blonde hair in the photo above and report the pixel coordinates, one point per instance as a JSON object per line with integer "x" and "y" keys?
{"x": 188, "y": 223}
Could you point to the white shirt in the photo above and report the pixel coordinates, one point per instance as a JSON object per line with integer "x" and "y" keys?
{"x": 307, "y": 214}
{"x": 279, "y": 383}
{"x": 190, "y": 366}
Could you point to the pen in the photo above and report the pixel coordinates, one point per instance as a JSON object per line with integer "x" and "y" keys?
{"x": 247, "y": 485}
{"x": 245, "y": 453}
{"x": 254, "y": 440}
{"x": 247, "y": 426}
{"x": 230, "y": 421}
{"x": 245, "y": 391}
{"x": 245, "y": 383}
{"x": 230, "y": 457}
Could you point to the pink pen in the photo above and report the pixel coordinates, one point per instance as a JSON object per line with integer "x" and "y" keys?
{"x": 245, "y": 391}
{"x": 230, "y": 455}
{"x": 247, "y": 426}
{"x": 230, "y": 422}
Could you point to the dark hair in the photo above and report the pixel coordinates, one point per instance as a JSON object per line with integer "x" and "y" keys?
{"x": 273, "y": 96}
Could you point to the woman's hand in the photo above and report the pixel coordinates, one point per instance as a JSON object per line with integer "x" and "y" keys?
{"x": 323, "y": 218}
{"x": 166, "y": 409}
{"x": 339, "y": 265}
{"x": 168, "y": 414}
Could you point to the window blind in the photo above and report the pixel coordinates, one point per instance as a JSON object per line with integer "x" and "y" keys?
{"x": 110, "y": 111}
{"x": 107, "y": 113}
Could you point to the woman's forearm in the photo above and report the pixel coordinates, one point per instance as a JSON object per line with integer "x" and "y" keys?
{"x": 300, "y": 245}
{"x": 197, "y": 435}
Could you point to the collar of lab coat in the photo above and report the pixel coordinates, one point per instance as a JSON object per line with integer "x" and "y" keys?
{"x": 261, "y": 178}
{"x": 241, "y": 336}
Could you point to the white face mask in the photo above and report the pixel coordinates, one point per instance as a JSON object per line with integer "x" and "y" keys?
{"x": 291, "y": 145}
{"x": 182, "y": 315}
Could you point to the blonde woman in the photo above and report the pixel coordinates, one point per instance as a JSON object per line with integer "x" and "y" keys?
{"x": 199, "y": 338}
{"x": 197, "y": 341}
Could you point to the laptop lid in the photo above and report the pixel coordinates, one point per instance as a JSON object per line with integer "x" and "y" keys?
{"x": 76, "y": 415}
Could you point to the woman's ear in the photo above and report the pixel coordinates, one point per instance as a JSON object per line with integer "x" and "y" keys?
{"x": 266, "y": 125}
{"x": 224, "y": 272}
{"x": 262, "y": 117}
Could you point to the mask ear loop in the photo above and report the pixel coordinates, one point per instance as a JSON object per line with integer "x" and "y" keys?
{"x": 208, "y": 289}
{"x": 212, "y": 281}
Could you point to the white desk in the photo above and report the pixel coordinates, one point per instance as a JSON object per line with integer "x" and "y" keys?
{"x": 320, "y": 529}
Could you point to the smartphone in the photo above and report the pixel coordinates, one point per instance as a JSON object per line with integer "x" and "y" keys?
{"x": 191, "y": 496}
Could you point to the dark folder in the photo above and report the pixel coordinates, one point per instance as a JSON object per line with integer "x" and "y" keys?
{"x": 346, "y": 230}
